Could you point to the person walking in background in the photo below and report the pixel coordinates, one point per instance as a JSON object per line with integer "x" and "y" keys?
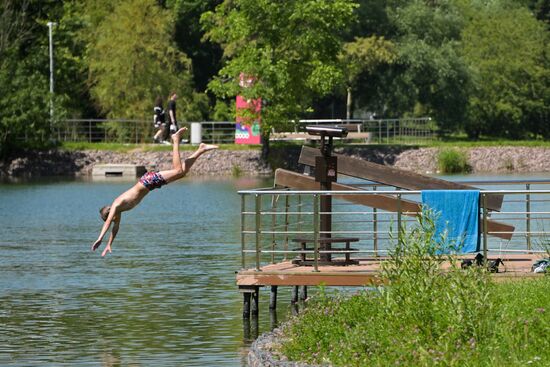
{"x": 172, "y": 112}
{"x": 159, "y": 120}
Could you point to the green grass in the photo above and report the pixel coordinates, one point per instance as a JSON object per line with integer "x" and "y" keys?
{"x": 452, "y": 142}
{"x": 463, "y": 143}
{"x": 119, "y": 147}
{"x": 426, "y": 318}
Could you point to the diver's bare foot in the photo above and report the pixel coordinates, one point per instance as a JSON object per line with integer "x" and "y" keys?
{"x": 206, "y": 147}
{"x": 176, "y": 137}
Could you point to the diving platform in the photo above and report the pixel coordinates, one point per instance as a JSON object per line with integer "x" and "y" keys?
{"x": 316, "y": 230}
{"x": 118, "y": 170}
{"x": 365, "y": 273}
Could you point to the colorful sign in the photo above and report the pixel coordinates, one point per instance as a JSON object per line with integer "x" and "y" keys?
{"x": 247, "y": 127}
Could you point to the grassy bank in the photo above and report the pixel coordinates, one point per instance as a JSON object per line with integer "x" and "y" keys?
{"x": 120, "y": 147}
{"x": 451, "y": 143}
{"x": 425, "y": 318}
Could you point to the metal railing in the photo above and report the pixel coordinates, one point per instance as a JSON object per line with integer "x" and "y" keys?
{"x": 383, "y": 131}
{"x": 272, "y": 218}
{"x": 133, "y": 131}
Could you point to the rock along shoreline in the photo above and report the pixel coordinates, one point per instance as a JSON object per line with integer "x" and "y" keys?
{"x": 247, "y": 162}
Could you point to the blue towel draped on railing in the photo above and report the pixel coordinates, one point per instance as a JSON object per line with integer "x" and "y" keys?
{"x": 456, "y": 211}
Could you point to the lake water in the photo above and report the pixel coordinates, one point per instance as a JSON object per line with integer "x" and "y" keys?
{"x": 166, "y": 296}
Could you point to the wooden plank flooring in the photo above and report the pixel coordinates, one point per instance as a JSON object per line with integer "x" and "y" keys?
{"x": 516, "y": 266}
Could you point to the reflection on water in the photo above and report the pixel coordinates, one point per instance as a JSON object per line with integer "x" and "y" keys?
{"x": 165, "y": 296}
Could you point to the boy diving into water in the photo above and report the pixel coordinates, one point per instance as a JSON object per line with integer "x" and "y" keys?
{"x": 149, "y": 181}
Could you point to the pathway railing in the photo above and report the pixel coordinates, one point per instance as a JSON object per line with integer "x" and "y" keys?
{"x": 133, "y": 131}
{"x": 384, "y": 131}
{"x": 272, "y": 218}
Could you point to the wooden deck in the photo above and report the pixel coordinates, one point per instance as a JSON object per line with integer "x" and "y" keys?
{"x": 516, "y": 266}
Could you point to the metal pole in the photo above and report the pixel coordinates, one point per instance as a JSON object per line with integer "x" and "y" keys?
{"x": 528, "y": 210}
{"x": 399, "y": 217}
{"x": 243, "y": 248}
{"x": 315, "y": 231}
{"x": 274, "y": 200}
{"x": 258, "y": 229}
{"x": 50, "y": 26}
{"x": 375, "y": 228}
{"x": 484, "y": 196}
{"x": 287, "y": 206}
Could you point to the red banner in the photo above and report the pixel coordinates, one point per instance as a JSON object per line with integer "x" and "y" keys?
{"x": 247, "y": 128}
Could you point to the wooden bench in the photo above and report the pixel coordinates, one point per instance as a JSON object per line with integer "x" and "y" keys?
{"x": 326, "y": 247}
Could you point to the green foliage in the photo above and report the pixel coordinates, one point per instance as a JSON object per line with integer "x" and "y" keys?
{"x": 363, "y": 56}
{"x": 479, "y": 67}
{"x": 429, "y": 70}
{"x": 132, "y": 59}
{"x": 189, "y": 37}
{"x": 223, "y": 112}
{"x": 452, "y": 161}
{"x": 24, "y": 89}
{"x": 507, "y": 52}
{"x": 424, "y": 316}
{"x": 236, "y": 170}
{"x": 291, "y": 61}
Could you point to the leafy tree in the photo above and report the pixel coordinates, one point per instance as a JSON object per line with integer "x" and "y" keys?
{"x": 290, "y": 49}
{"x": 189, "y": 38}
{"x": 24, "y": 92}
{"x": 71, "y": 64}
{"x": 429, "y": 74}
{"x": 507, "y": 52}
{"x": 131, "y": 59}
{"x": 362, "y": 56}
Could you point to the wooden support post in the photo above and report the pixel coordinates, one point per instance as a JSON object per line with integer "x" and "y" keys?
{"x": 255, "y": 328}
{"x": 255, "y": 301}
{"x": 294, "y": 308}
{"x": 246, "y": 328}
{"x": 246, "y": 305}
{"x": 273, "y": 323}
{"x": 273, "y": 298}
{"x": 294, "y": 297}
{"x": 303, "y": 293}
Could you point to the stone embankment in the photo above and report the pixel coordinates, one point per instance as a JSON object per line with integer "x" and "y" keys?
{"x": 247, "y": 162}
{"x": 264, "y": 352}
{"x": 81, "y": 163}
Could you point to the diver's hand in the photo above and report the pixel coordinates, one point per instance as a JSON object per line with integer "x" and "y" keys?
{"x": 96, "y": 244}
{"x": 108, "y": 248}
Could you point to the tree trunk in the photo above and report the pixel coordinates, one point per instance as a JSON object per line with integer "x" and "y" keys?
{"x": 348, "y": 105}
{"x": 265, "y": 146}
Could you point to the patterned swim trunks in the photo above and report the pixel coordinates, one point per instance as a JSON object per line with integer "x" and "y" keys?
{"x": 152, "y": 180}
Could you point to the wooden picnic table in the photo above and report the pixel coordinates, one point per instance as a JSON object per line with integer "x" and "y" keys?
{"x": 326, "y": 243}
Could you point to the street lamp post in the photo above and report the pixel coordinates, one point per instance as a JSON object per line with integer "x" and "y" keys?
{"x": 50, "y": 26}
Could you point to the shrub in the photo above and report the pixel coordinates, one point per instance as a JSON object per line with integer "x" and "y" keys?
{"x": 453, "y": 161}
{"x": 236, "y": 170}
